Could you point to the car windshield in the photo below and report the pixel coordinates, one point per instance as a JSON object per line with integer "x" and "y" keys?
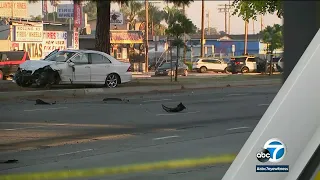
{"x": 167, "y": 65}
{"x": 61, "y": 56}
{"x": 239, "y": 59}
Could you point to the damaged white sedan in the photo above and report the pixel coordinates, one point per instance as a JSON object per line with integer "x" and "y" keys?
{"x": 74, "y": 67}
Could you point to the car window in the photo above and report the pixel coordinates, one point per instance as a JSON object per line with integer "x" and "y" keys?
{"x": 99, "y": 59}
{"x": 12, "y": 56}
{"x": 251, "y": 60}
{"x": 239, "y": 59}
{"x": 81, "y": 59}
{"x": 216, "y": 61}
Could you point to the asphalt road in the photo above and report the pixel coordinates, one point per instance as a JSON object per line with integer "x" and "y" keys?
{"x": 90, "y": 133}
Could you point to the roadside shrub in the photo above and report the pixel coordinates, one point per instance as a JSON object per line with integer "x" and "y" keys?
{"x": 189, "y": 64}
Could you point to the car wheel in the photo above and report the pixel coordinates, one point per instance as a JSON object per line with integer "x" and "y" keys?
{"x": 112, "y": 81}
{"x": 203, "y": 69}
{"x": 225, "y": 70}
{"x": 1, "y": 75}
{"x": 41, "y": 80}
{"x": 185, "y": 72}
{"x": 244, "y": 70}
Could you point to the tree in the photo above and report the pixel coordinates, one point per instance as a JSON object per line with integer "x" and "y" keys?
{"x": 130, "y": 12}
{"x": 36, "y": 18}
{"x": 179, "y": 25}
{"x": 91, "y": 9}
{"x": 250, "y": 9}
{"x": 222, "y": 33}
{"x": 155, "y": 16}
{"x": 272, "y": 35}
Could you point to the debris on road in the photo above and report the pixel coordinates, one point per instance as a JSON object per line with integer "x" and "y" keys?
{"x": 180, "y": 107}
{"x": 115, "y": 99}
{"x": 10, "y": 161}
{"x": 41, "y": 102}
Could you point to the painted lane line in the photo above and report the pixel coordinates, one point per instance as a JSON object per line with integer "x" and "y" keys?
{"x": 157, "y": 100}
{"x": 46, "y": 109}
{"x": 14, "y": 129}
{"x": 75, "y": 152}
{"x": 263, "y": 104}
{"x": 237, "y": 128}
{"x": 166, "y": 137}
{"x": 173, "y": 114}
{"x": 237, "y": 94}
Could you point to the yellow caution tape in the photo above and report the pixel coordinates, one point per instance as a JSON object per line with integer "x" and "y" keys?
{"x": 317, "y": 176}
{"x": 172, "y": 164}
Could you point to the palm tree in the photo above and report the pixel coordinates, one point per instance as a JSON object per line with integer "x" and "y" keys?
{"x": 155, "y": 16}
{"x": 131, "y": 11}
{"x": 103, "y": 21}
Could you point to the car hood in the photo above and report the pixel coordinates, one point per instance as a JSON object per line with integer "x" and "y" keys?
{"x": 33, "y": 65}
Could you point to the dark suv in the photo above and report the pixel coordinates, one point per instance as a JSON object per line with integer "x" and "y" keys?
{"x": 10, "y": 61}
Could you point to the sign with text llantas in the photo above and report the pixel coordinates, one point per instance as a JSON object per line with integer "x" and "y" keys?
{"x": 54, "y": 40}
{"x": 34, "y": 49}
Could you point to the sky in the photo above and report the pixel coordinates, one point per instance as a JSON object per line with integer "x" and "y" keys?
{"x": 216, "y": 19}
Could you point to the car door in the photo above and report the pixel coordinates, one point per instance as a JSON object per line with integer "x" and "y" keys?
{"x": 208, "y": 64}
{"x": 82, "y": 70}
{"x": 251, "y": 64}
{"x": 217, "y": 65}
{"x": 100, "y": 67}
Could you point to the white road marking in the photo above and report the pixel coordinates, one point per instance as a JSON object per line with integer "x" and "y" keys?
{"x": 75, "y": 152}
{"x": 157, "y": 100}
{"x": 166, "y": 137}
{"x": 13, "y": 129}
{"x": 46, "y": 109}
{"x": 263, "y": 104}
{"x": 237, "y": 128}
{"x": 173, "y": 114}
{"x": 236, "y": 94}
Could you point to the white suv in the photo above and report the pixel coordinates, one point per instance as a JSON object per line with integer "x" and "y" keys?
{"x": 203, "y": 64}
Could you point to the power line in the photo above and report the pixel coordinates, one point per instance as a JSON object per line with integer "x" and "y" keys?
{"x": 225, "y": 8}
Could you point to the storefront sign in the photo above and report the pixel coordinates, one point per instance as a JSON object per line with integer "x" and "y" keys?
{"x": 76, "y": 40}
{"x": 126, "y": 37}
{"x": 65, "y": 11}
{"x": 77, "y": 15}
{"x": 16, "y": 9}
{"x": 34, "y": 49}
{"x": 116, "y": 18}
{"x": 28, "y": 33}
{"x": 54, "y": 40}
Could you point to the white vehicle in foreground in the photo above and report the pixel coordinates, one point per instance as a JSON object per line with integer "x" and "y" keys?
{"x": 74, "y": 67}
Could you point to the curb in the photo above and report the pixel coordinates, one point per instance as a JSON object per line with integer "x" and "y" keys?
{"x": 69, "y": 93}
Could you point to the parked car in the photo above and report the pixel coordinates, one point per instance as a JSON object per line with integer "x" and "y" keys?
{"x": 165, "y": 69}
{"x": 204, "y": 64}
{"x": 243, "y": 64}
{"x": 74, "y": 67}
{"x": 280, "y": 65}
{"x": 9, "y": 62}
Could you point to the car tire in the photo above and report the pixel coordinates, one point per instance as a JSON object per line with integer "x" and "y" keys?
{"x": 1, "y": 75}
{"x": 112, "y": 80}
{"x": 185, "y": 72}
{"x": 40, "y": 82}
{"x": 245, "y": 70}
{"x": 203, "y": 69}
{"x": 225, "y": 70}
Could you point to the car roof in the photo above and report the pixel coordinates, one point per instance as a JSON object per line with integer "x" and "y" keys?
{"x": 82, "y": 51}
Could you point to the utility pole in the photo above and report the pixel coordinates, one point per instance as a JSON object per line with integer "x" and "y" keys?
{"x": 225, "y": 9}
{"x": 245, "y": 37}
{"x": 208, "y": 18}
{"x": 261, "y": 23}
{"x": 202, "y": 29}
{"x": 229, "y": 20}
{"x": 147, "y": 36}
{"x": 184, "y": 38}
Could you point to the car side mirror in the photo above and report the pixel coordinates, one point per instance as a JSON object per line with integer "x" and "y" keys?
{"x": 71, "y": 64}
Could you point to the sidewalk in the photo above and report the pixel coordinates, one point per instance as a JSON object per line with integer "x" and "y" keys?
{"x": 69, "y": 93}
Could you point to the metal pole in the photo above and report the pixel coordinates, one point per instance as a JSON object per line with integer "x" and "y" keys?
{"x": 184, "y": 39}
{"x": 171, "y": 67}
{"x": 177, "y": 62}
{"x": 202, "y": 29}
{"x": 225, "y": 19}
{"x": 229, "y": 22}
{"x": 245, "y": 36}
{"x": 147, "y": 36}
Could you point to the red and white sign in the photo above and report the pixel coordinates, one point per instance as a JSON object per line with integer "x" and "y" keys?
{"x": 75, "y": 40}
{"x": 77, "y": 15}
{"x": 54, "y": 40}
{"x": 44, "y": 6}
